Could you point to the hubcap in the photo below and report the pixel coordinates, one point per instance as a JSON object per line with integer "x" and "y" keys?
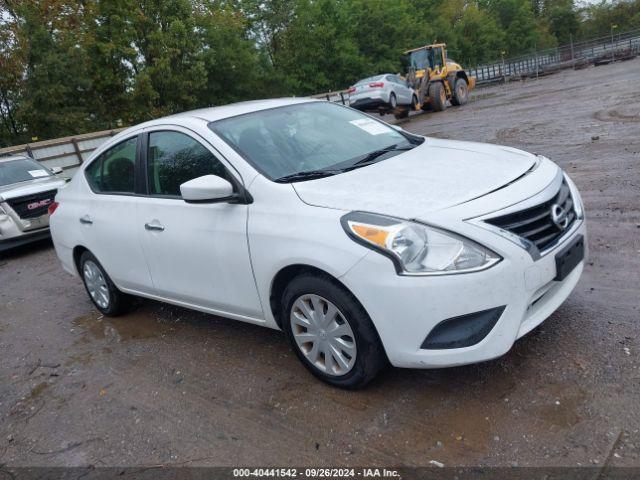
{"x": 96, "y": 284}
{"x": 323, "y": 335}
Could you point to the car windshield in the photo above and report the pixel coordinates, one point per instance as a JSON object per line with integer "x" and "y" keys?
{"x": 310, "y": 137}
{"x": 21, "y": 170}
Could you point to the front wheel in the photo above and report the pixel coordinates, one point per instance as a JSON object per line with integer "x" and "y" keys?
{"x": 330, "y": 332}
{"x": 437, "y": 96}
{"x": 102, "y": 292}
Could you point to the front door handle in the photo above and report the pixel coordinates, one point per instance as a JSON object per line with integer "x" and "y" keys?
{"x": 154, "y": 226}
{"x": 86, "y": 219}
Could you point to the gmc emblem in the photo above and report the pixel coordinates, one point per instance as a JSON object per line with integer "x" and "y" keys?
{"x": 41, "y": 203}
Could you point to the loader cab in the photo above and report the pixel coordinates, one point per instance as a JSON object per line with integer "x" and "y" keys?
{"x": 429, "y": 57}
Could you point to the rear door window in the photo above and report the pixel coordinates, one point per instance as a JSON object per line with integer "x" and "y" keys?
{"x": 114, "y": 170}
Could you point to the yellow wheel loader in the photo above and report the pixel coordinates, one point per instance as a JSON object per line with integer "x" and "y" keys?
{"x": 435, "y": 78}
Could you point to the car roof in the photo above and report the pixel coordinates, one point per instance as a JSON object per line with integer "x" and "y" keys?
{"x": 14, "y": 157}
{"x": 212, "y": 114}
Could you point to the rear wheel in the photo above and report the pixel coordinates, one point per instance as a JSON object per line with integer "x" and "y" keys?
{"x": 393, "y": 101}
{"x": 438, "y": 96}
{"x": 414, "y": 103}
{"x": 330, "y": 332}
{"x": 102, "y": 292}
{"x": 460, "y": 92}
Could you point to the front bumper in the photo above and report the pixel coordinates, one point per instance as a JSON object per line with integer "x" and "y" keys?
{"x": 406, "y": 309}
{"x": 15, "y": 231}
{"x": 17, "y": 241}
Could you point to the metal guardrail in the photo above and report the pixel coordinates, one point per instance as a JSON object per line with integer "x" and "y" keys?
{"x": 541, "y": 62}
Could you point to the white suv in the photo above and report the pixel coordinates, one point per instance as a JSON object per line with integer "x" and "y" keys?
{"x": 363, "y": 242}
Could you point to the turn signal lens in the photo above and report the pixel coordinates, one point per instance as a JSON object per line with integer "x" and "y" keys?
{"x": 377, "y": 236}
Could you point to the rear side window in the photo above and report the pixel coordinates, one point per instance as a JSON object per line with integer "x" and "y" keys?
{"x": 114, "y": 170}
{"x": 175, "y": 158}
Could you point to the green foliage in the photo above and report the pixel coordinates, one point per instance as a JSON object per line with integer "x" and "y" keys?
{"x": 68, "y": 67}
{"x": 603, "y": 17}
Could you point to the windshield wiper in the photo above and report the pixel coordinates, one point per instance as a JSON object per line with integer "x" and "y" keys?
{"x": 370, "y": 158}
{"x": 308, "y": 175}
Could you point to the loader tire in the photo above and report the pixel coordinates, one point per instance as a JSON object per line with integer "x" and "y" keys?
{"x": 460, "y": 92}
{"x": 437, "y": 97}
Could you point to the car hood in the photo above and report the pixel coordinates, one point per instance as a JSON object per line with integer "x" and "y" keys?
{"x": 433, "y": 176}
{"x": 30, "y": 187}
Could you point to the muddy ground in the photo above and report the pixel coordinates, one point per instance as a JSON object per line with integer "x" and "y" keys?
{"x": 166, "y": 386}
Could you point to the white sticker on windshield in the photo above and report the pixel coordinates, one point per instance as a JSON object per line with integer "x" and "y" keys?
{"x": 38, "y": 173}
{"x": 370, "y": 126}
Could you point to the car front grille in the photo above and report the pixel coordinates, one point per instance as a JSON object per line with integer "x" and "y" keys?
{"x": 537, "y": 224}
{"x": 32, "y": 206}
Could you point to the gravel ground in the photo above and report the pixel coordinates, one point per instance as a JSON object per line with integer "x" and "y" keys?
{"x": 167, "y": 386}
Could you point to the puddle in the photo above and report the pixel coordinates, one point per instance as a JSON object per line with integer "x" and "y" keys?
{"x": 37, "y": 391}
{"x": 559, "y": 405}
{"x": 134, "y": 326}
{"x": 81, "y": 359}
{"x": 616, "y": 115}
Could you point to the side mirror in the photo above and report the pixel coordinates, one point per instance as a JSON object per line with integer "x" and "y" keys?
{"x": 56, "y": 170}
{"x": 207, "y": 189}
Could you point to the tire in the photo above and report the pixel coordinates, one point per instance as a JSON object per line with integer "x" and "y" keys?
{"x": 460, "y": 92}
{"x": 414, "y": 103}
{"x": 437, "y": 96}
{"x": 106, "y": 297}
{"x": 393, "y": 101}
{"x": 359, "y": 345}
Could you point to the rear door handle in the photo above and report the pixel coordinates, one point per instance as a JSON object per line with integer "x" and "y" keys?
{"x": 86, "y": 219}
{"x": 154, "y": 226}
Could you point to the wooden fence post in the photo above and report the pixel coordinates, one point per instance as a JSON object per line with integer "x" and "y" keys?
{"x": 77, "y": 149}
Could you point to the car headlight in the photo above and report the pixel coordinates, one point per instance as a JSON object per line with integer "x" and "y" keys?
{"x": 418, "y": 249}
{"x": 575, "y": 196}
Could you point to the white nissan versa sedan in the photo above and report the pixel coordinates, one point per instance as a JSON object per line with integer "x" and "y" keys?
{"x": 363, "y": 242}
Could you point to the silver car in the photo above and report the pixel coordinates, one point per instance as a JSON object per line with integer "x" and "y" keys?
{"x": 27, "y": 189}
{"x": 381, "y": 93}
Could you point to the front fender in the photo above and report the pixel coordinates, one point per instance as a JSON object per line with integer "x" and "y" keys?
{"x": 285, "y": 231}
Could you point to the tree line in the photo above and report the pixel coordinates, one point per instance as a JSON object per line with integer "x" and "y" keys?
{"x": 68, "y": 67}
